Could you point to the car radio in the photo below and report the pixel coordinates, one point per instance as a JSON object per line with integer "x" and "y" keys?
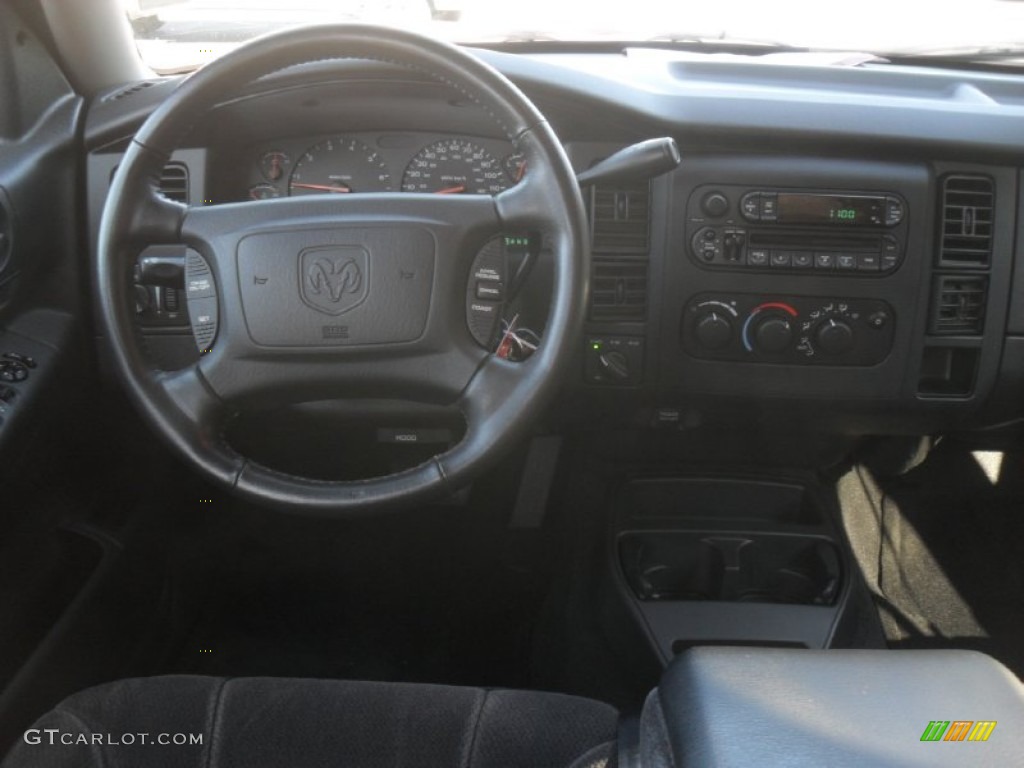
{"x": 797, "y": 230}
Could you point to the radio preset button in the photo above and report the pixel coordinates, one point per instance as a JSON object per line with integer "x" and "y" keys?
{"x": 803, "y": 259}
{"x": 825, "y": 260}
{"x": 846, "y": 261}
{"x": 758, "y": 257}
{"x": 782, "y": 258}
{"x": 867, "y": 262}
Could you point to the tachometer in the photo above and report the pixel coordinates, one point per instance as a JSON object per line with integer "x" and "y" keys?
{"x": 454, "y": 166}
{"x": 339, "y": 165}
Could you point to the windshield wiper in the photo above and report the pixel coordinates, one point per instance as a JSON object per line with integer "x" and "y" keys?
{"x": 1010, "y": 53}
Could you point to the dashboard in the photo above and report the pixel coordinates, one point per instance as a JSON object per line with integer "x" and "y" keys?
{"x": 837, "y": 248}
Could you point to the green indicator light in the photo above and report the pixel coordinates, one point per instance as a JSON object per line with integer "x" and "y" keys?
{"x": 596, "y": 345}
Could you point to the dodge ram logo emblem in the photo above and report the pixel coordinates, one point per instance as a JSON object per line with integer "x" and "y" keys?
{"x": 334, "y": 279}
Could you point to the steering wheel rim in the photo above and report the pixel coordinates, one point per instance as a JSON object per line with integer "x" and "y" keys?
{"x": 499, "y": 399}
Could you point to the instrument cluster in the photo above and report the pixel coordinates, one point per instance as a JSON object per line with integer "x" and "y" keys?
{"x": 381, "y": 162}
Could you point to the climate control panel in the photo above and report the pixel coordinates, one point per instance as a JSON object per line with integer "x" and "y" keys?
{"x": 798, "y": 330}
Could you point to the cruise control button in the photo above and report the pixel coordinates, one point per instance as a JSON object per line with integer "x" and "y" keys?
{"x": 846, "y": 261}
{"x": 867, "y": 262}
{"x": 803, "y": 260}
{"x": 25, "y": 360}
{"x": 757, "y": 257}
{"x": 490, "y": 290}
{"x": 782, "y": 258}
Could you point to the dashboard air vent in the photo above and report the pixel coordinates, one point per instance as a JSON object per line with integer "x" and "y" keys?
{"x": 174, "y": 182}
{"x": 620, "y": 219}
{"x": 958, "y": 307}
{"x": 967, "y": 206}
{"x": 619, "y": 291}
{"x": 130, "y": 90}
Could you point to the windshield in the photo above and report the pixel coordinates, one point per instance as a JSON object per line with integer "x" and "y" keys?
{"x": 176, "y": 35}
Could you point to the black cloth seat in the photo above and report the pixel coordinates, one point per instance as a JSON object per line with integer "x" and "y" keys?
{"x": 292, "y": 723}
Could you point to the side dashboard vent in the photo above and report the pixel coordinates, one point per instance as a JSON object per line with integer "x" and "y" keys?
{"x": 967, "y": 209}
{"x": 620, "y": 219}
{"x": 958, "y": 305}
{"x": 174, "y": 182}
{"x": 619, "y": 291}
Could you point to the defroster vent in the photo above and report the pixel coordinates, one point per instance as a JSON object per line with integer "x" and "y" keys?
{"x": 958, "y": 306}
{"x": 619, "y": 291}
{"x": 966, "y": 215}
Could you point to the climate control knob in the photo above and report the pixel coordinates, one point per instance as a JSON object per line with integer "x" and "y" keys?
{"x": 834, "y": 337}
{"x": 713, "y": 330}
{"x": 773, "y": 334}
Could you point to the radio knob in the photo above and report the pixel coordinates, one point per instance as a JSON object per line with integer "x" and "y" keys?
{"x": 713, "y": 331}
{"x": 773, "y": 334}
{"x": 715, "y": 204}
{"x": 834, "y": 337}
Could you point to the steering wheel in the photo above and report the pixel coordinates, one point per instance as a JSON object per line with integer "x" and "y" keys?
{"x": 337, "y": 296}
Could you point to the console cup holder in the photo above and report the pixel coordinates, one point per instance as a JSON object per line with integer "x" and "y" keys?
{"x": 731, "y": 567}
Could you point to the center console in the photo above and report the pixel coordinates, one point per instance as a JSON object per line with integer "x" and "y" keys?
{"x": 725, "y": 561}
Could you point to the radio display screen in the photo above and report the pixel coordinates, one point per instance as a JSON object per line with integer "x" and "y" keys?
{"x": 841, "y": 210}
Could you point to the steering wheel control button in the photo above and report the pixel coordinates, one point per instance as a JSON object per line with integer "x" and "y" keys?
{"x": 329, "y": 287}
{"x": 201, "y": 299}
{"x": 198, "y": 277}
{"x": 824, "y": 260}
{"x": 486, "y": 292}
{"x": 614, "y": 360}
{"x": 25, "y": 360}
{"x": 490, "y": 290}
{"x": 788, "y": 330}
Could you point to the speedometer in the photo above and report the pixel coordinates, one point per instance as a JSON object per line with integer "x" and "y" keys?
{"x": 454, "y": 166}
{"x": 339, "y": 165}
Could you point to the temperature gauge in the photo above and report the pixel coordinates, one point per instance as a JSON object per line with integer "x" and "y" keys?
{"x": 274, "y": 165}
{"x": 263, "y": 192}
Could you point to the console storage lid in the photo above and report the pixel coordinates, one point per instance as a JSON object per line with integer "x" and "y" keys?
{"x": 775, "y": 707}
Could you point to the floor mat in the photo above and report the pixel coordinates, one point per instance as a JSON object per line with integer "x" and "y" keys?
{"x": 942, "y": 547}
{"x": 418, "y": 598}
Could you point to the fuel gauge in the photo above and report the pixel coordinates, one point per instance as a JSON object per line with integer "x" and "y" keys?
{"x": 274, "y": 165}
{"x": 263, "y": 192}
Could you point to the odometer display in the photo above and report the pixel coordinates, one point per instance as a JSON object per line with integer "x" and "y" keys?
{"x": 454, "y": 166}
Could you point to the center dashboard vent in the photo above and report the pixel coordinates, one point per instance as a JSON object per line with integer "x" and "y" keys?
{"x": 959, "y": 305}
{"x": 619, "y": 291}
{"x": 620, "y": 219}
{"x": 966, "y": 215}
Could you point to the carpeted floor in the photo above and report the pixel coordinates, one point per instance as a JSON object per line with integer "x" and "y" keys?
{"x": 943, "y": 548}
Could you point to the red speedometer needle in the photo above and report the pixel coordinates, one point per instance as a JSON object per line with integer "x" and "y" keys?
{"x": 322, "y": 187}
{"x": 450, "y": 190}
